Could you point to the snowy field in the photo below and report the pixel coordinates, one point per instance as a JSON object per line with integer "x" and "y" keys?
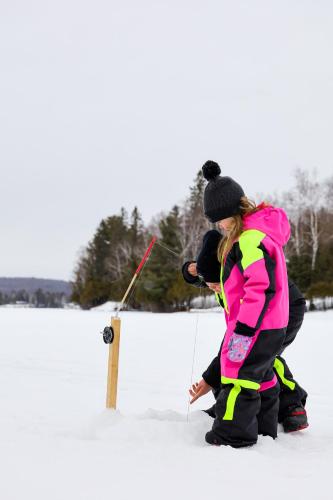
{"x": 58, "y": 442}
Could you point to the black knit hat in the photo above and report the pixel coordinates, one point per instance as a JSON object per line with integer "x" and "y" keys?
{"x": 222, "y": 194}
{"x": 208, "y": 265}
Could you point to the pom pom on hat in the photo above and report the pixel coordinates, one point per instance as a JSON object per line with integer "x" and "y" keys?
{"x": 222, "y": 196}
{"x": 211, "y": 170}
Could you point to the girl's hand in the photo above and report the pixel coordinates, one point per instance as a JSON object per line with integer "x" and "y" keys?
{"x": 199, "y": 389}
{"x": 192, "y": 269}
{"x": 216, "y": 287}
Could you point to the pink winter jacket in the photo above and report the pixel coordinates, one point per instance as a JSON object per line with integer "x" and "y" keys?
{"x": 254, "y": 275}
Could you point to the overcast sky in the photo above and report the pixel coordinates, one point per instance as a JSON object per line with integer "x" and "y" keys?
{"x": 110, "y": 103}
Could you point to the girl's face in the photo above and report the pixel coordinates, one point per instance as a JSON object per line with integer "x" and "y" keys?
{"x": 226, "y": 224}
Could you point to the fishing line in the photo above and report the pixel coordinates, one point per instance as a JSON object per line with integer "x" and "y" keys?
{"x": 167, "y": 248}
{"x": 193, "y": 358}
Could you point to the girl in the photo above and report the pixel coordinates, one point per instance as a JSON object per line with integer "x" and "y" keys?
{"x": 254, "y": 293}
{"x": 292, "y": 396}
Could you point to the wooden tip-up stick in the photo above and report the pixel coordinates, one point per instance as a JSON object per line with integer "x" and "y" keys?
{"x": 112, "y": 337}
{"x": 112, "y": 381}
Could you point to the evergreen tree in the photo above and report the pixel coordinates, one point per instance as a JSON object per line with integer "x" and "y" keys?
{"x": 163, "y": 266}
{"x": 196, "y": 194}
{"x": 136, "y": 237}
{"x": 105, "y": 268}
{"x": 299, "y": 270}
{"x": 100, "y": 266}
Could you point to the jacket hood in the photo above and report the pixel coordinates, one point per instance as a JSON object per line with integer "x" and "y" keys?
{"x": 271, "y": 221}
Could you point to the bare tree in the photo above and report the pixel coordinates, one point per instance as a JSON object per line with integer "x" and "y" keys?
{"x": 293, "y": 203}
{"x": 310, "y": 195}
{"x": 193, "y": 225}
{"x": 116, "y": 263}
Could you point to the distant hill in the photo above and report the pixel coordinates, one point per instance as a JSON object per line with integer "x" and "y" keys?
{"x": 8, "y": 285}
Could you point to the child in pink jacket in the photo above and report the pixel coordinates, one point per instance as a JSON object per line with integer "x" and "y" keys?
{"x": 254, "y": 294}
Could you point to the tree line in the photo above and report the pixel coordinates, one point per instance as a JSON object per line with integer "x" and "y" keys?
{"x": 38, "y": 298}
{"x": 106, "y": 265}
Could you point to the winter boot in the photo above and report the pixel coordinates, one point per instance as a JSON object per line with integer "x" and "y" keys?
{"x": 214, "y": 439}
{"x": 295, "y": 419}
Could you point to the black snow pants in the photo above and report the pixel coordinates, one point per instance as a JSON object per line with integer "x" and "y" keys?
{"x": 287, "y": 393}
{"x": 291, "y": 393}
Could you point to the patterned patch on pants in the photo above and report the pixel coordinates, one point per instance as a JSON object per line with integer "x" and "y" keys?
{"x": 238, "y": 347}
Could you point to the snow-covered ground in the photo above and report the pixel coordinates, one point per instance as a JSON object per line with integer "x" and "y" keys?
{"x": 57, "y": 441}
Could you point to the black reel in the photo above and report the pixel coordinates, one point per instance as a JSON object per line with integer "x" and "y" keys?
{"x": 108, "y": 334}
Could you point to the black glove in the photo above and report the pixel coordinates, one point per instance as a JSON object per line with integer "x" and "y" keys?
{"x": 192, "y": 280}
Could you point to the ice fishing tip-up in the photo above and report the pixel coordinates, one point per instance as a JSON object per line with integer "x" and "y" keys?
{"x": 111, "y": 336}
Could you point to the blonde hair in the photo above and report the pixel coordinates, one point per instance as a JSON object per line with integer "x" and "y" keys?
{"x": 247, "y": 207}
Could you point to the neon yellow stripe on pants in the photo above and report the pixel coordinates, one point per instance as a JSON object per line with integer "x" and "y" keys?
{"x": 279, "y": 367}
{"x": 237, "y": 386}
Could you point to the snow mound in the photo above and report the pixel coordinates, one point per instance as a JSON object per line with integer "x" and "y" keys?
{"x": 154, "y": 427}
{"x": 109, "y": 306}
